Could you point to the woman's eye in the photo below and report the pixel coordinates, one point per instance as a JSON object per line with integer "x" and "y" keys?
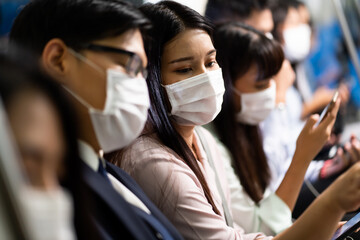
{"x": 262, "y": 86}
{"x": 184, "y": 70}
{"x": 211, "y": 64}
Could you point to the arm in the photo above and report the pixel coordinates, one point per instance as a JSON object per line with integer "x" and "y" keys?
{"x": 343, "y": 159}
{"x": 321, "y": 217}
{"x": 308, "y": 145}
{"x": 325, "y": 212}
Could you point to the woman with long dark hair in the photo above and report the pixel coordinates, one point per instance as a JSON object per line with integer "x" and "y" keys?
{"x": 249, "y": 98}
{"x": 171, "y": 161}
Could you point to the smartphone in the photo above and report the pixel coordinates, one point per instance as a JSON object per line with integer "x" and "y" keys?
{"x": 349, "y": 227}
{"x": 328, "y": 108}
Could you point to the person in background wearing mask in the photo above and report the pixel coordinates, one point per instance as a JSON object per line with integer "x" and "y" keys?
{"x": 250, "y": 97}
{"x": 172, "y": 159}
{"x": 43, "y": 126}
{"x": 95, "y": 50}
{"x": 292, "y": 29}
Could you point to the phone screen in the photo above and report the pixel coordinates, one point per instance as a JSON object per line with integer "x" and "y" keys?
{"x": 347, "y": 226}
{"x": 328, "y": 108}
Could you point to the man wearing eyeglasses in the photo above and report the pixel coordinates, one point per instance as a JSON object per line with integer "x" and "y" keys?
{"x": 94, "y": 48}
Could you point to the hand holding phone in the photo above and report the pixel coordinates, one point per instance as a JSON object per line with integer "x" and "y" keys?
{"x": 328, "y": 108}
{"x": 349, "y": 227}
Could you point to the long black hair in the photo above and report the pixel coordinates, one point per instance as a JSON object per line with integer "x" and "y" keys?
{"x": 170, "y": 19}
{"x": 19, "y": 73}
{"x": 238, "y": 48}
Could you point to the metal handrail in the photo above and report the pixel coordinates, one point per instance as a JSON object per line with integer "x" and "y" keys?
{"x": 347, "y": 35}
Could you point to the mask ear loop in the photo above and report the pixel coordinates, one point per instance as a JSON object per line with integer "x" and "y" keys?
{"x": 92, "y": 65}
{"x": 237, "y": 92}
{"x": 82, "y": 101}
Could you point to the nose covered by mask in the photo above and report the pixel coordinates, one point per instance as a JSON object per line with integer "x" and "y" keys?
{"x": 197, "y": 100}
{"x": 256, "y": 107}
{"x": 125, "y": 112}
{"x": 49, "y": 214}
{"x": 297, "y": 42}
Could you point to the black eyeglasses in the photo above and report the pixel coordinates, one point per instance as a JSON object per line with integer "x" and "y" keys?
{"x": 133, "y": 66}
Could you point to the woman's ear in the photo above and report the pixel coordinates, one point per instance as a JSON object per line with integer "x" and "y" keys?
{"x": 56, "y": 59}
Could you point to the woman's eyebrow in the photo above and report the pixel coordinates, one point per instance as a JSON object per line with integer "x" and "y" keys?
{"x": 181, "y": 59}
{"x": 189, "y": 58}
{"x": 211, "y": 52}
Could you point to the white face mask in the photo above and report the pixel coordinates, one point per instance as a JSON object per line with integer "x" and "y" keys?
{"x": 197, "y": 100}
{"x": 297, "y": 42}
{"x": 125, "y": 113}
{"x": 49, "y": 214}
{"x": 256, "y": 107}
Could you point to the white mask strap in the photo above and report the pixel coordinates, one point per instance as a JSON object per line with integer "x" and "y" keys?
{"x": 237, "y": 92}
{"x": 82, "y": 101}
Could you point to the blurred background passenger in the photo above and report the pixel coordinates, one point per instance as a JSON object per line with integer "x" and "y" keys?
{"x": 44, "y": 130}
{"x": 292, "y": 28}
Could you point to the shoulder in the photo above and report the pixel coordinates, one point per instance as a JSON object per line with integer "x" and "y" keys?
{"x": 147, "y": 156}
{"x": 144, "y": 149}
{"x": 159, "y": 171}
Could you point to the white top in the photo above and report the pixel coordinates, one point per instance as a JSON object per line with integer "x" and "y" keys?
{"x": 279, "y": 134}
{"x": 271, "y": 216}
{"x": 89, "y": 156}
{"x": 303, "y": 82}
{"x": 177, "y": 192}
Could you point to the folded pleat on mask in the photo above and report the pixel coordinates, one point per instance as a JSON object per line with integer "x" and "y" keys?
{"x": 196, "y": 100}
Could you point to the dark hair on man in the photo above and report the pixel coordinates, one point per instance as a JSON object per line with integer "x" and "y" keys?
{"x": 19, "y": 73}
{"x": 239, "y": 47}
{"x": 76, "y": 22}
{"x": 228, "y": 10}
{"x": 170, "y": 19}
